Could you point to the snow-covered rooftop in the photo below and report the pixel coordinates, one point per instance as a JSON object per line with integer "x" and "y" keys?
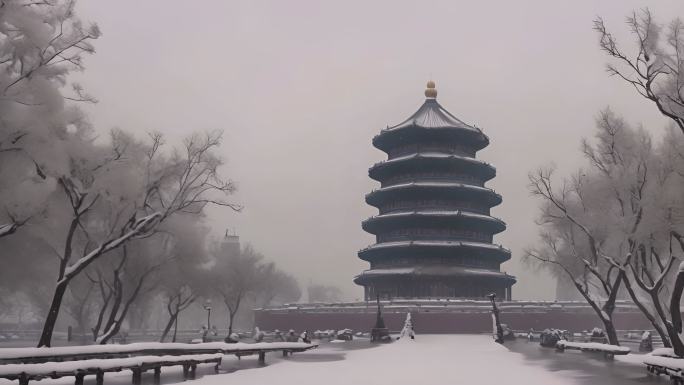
{"x": 432, "y": 115}
{"x": 479, "y": 245}
{"x": 439, "y": 213}
{"x": 433, "y": 155}
{"x": 437, "y": 184}
{"x": 434, "y": 270}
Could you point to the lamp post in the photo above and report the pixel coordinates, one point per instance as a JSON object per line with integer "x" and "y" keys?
{"x": 207, "y": 307}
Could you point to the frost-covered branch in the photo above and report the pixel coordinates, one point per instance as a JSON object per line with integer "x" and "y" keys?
{"x": 44, "y": 52}
{"x": 655, "y": 71}
{"x": 592, "y": 222}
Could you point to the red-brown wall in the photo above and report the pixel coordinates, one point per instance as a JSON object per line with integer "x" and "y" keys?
{"x": 454, "y": 322}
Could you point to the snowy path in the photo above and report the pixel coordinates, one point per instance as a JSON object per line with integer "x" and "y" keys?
{"x": 428, "y": 360}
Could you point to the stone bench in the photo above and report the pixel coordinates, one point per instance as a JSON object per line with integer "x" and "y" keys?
{"x": 79, "y": 369}
{"x": 25, "y": 364}
{"x": 98, "y": 367}
{"x": 608, "y": 351}
{"x": 87, "y": 352}
{"x": 670, "y": 366}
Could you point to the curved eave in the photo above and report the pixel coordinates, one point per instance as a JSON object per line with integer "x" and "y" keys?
{"x": 433, "y": 271}
{"x": 406, "y": 248}
{"x": 433, "y": 189}
{"x": 431, "y": 114}
{"x": 392, "y": 137}
{"x": 401, "y": 219}
{"x": 477, "y": 167}
{"x": 431, "y": 118}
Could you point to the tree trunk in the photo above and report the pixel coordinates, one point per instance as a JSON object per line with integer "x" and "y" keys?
{"x": 676, "y": 314}
{"x": 106, "y": 297}
{"x": 607, "y": 318}
{"x": 116, "y": 326}
{"x": 100, "y": 318}
{"x": 118, "y": 298}
{"x": 664, "y": 334}
{"x": 233, "y": 312}
{"x": 53, "y": 313}
{"x": 78, "y": 267}
{"x": 231, "y": 316}
{"x": 167, "y": 328}
{"x": 113, "y": 329}
{"x": 605, "y": 314}
{"x": 175, "y": 329}
{"x": 611, "y": 333}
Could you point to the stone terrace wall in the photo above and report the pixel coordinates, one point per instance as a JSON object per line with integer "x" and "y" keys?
{"x": 446, "y": 316}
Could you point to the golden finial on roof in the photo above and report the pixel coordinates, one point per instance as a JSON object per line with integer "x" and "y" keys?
{"x": 431, "y": 91}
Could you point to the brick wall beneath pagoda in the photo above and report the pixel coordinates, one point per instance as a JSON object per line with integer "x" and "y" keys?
{"x": 462, "y": 322}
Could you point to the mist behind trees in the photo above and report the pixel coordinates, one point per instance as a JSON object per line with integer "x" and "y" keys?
{"x": 97, "y": 231}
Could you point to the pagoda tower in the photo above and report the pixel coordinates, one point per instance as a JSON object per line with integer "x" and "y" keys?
{"x": 434, "y": 233}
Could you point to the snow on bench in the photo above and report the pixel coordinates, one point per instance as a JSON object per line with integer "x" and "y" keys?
{"x": 608, "y": 350}
{"x": 79, "y": 369}
{"x": 663, "y": 362}
{"x": 26, "y": 364}
{"x": 664, "y": 352}
{"x": 74, "y": 353}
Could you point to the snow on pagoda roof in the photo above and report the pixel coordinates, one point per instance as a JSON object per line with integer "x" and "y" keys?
{"x": 434, "y": 270}
{"x": 432, "y": 115}
{"x": 436, "y": 184}
{"x": 441, "y": 213}
{"x": 437, "y": 244}
{"x": 433, "y": 155}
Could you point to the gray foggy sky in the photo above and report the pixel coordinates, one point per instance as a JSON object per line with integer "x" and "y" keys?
{"x": 301, "y": 87}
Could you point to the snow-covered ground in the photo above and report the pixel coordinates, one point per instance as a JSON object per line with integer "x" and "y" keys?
{"x": 427, "y": 360}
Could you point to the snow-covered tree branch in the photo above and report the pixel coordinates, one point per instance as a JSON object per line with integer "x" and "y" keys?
{"x": 595, "y": 222}
{"x": 656, "y": 69}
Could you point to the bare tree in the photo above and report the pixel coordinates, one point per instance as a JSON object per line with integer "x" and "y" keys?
{"x": 185, "y": 279}
{"x": 277, "y": 286}
{"x": 183, "y": 183}
{"x": 43, "y": 42}
{"x": 649, "y": 273}
{"x": 570, "y": 248}
{"x": 101, "y": 199}
{"x": 656, "y": 69}
{"x": 49, "y": 51}
{"x": 652, "y": 268}
{"x": 176, "y": 302}
{"x": 79, "y": 306}
{"x": 235, "y": 277}
{"x": 675, "y": 310}
{"x": 613, "y": 218}
{"x": 128, "y": 281}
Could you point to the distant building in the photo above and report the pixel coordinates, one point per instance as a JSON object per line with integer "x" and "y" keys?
{"x": 434, "y": 232}
{"x": 230, "y": 244}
